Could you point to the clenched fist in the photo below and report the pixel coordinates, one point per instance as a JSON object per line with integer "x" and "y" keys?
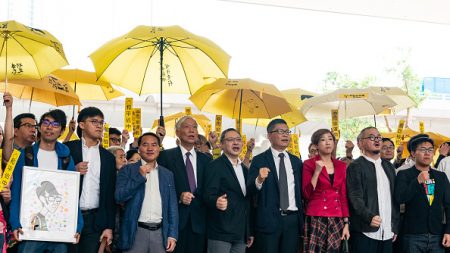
{"x": 263, "y": 174}
{"x": 222, "y": 202}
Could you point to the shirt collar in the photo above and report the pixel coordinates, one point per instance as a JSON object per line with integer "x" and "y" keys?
{"x": 83, "y": 143}
{"x": 275, "y": 152}
{"x": 378, "y": 161}
{"x": 238, "y": 163}
{"x": 144, "y": 163}
{"x": 184, "y": 151}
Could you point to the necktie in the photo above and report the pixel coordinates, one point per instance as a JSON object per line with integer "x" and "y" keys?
{"x": 282, "y": 184}
{"x": 190, "y": 173}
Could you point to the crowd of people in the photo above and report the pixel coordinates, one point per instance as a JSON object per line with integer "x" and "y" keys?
{"x": 202, "y": 196}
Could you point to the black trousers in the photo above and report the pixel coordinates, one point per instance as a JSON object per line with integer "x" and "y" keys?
{"x": 284, "y": 240}
{"x": 361, "y": 243}
{"x": 90, "y": 237}
{"x": 189, "y": 241}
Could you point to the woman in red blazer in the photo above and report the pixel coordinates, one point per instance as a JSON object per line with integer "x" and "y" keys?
{"x": 324, "y": 191}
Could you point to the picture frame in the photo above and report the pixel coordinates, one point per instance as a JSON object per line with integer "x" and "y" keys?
{"x": 49, "y": 204}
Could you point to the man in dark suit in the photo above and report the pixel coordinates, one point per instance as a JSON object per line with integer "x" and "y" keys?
{"x": 97, "y": 167}
{"x": 228, "y": 222}
{"x": 188, "y": 167}
{"x": 425, "y": 193}
{"x": 374, "y": 213}
{"x": 275, "y": 178}
{"x": 150, "y": 222}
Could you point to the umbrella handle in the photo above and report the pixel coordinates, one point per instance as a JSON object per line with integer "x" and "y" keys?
{"x": 161, "y": 121}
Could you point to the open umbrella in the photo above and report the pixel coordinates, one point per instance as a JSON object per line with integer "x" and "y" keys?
{"x": 401, "y": 98}
{"x": 27, "y": 52}
{"x": 172, "y": 57}
{"x": 171, "y": 120}
{"x": 349, "y": 102}
{"x": 49, "y": 90}
{"x": 240, "y": 99}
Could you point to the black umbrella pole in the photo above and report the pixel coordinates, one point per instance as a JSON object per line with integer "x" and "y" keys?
{"x": 161, "y": 51}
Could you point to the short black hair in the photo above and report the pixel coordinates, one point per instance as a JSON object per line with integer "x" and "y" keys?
{"x": 387, "y": 139}
{"x": 222, "y": 136}
{"x": 131, "y": 152}
{"x": 415, "y": 141}
{"x": 58, "y": 115}
{"x": 149, "y": 134}
{"x": 113, "y": 130}
{"x": 86, "y": 113}
{"x": 18, "y": 119}
{"x": 274, "y": 122}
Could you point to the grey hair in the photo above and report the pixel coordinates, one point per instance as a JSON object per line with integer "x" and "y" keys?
{"x": 360, "y": 135}
{"x": 114, "y": 149}
{"x": 182, "y": 120}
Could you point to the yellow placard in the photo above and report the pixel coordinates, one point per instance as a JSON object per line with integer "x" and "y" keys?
{"x": 244, "y": 146}
{"x": 349, "y": 96}
{"x": 137, "y": 122}
{"x": 239, "y": 125}
{"x": 399, "y": 137}
{"x": 7, "y": 174}
{"x": 105, "y": 140}
{"x": 422, "y": 127}
{"x": 1, "y": 161}
{"x": 188, "y": 110}
{"x": 128, "y": 116}
{"x": 335, "y": 123}
{"x": 218, "y": 125}
{"x": 207, "y": 130}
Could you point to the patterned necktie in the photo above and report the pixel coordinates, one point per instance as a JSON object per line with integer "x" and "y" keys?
{"x": 282, "y": 184}
{"x": 190, "y": 173}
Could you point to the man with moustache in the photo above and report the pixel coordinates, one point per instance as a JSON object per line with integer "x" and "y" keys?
{"x": 228, "y": 223}
{"x": 97, "y": 167}
{"x": 188, "y": 167}
{"x": 374, "y": 213}
{"x": 275, "y": 179}
{"x": 150, "y": 221}
{"x": 425, "y": 193}
{"x": 47, "y": 153}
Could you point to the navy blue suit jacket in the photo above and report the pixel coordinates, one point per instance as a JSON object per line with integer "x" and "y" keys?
{"x": 130, "y": 190}
{"x": 268, "y": 199}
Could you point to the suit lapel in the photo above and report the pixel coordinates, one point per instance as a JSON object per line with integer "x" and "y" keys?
{"x": 271, "y": 162}
{"x": 162, "y": 186}
{"x": 200, "y": 164}
{"x": 178, "y": 163}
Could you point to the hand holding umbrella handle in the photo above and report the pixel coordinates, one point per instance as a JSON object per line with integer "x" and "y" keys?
{"x": 161, "y": 121}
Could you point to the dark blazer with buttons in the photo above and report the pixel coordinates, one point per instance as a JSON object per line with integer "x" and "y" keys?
{"x": 233, "y": 224}
{"x": 268, "y": 198}
{"x": 325, "y": 200}
{"x": 106, "y": 214}
{"x": 363, "y": 196}
{"x": 173, "y": 160}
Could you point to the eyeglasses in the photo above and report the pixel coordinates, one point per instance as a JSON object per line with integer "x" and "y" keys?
{"x": 281, "y": 131}
{"x": 374, "y": 138}
{"x": 425, "y": 150}
{"x": 115, "y": 140}
{"x": 28, "y": 125}
{"x": 47, "y": 123}
{"x": 54, "y": 199}
{"x": 237, "y": 139}
{"x": 386, "y": 148}
{"x": 96, "y": 122}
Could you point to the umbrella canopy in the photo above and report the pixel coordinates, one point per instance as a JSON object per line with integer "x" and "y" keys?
{"x": 171, "y": 120}
{"x": 49, "y": 90}
{"x": 172, "y": 57}
{"x": 350, "y": 103}
{"x": 86, "y": 86}
{"x": 240, "y": 99}
{"x": 27, "y": 52}
{"x": 397, "y": 94}
{"x": 296, "y": 99}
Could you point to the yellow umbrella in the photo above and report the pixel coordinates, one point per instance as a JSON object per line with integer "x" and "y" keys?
{"x": 171, "y": 120}
{"x": 296, "y": 98}
{"x": 49, "y": 90}
{"x": 240, "y": 99}
{"x": 27, "y": 52}
{"x": 86, "y": 86}
{"x": 172, "y": 57}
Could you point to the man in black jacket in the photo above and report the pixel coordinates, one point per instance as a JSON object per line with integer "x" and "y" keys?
{"x": 425, "y": 193}
{"x": 374, "y": 214}
{"x": 188, "y": 167}
{"x": 228, "y": 223}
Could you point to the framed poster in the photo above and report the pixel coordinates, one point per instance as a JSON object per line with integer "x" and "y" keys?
{"x": 49, "y": 204}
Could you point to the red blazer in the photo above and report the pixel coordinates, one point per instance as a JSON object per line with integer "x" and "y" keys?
{"x": 325, "y": 200}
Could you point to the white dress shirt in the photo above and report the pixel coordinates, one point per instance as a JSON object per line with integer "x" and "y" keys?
{"x": 384, "y": 203}
{"x": 90, "y": 194}
{"x": 239, "y": 174}
{"x": 192, "y": 158}
{"x": 444, "y": 166}
{"x": 289, "y": 175}
{"x": 151, "y": 211}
